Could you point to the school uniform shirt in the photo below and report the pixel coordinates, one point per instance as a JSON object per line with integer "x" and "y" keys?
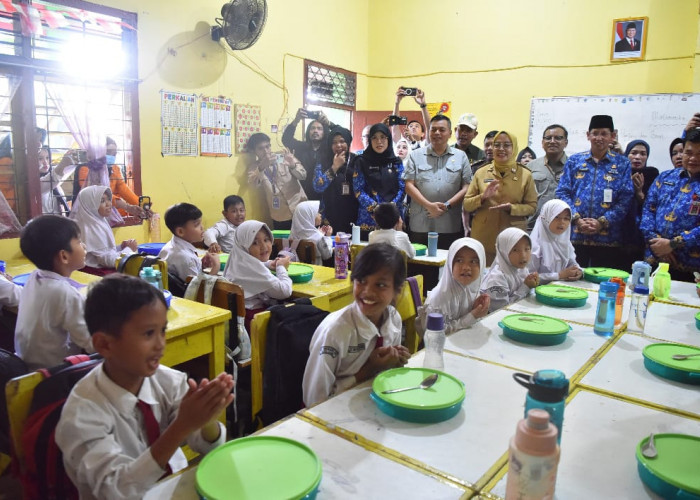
{"x": 672, "y": 211}
{"x": 504, "y": 282}
{"x": 397, "y": 239}
{"x": 281, "y": 186}
{"x": 103, "y": 436}
{"x": 222, "y": 233}
{"x": 601, "y": 191}
{"x": 341, "y": 345}
{"x": 181, "y": 257}
{"x": 51, "y": 193}
{"x": 50, "y": 320}
{"x": 9, "y": 292}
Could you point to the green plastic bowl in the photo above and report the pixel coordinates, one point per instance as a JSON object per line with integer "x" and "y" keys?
{"x": 697, "y": 320}
{"x": 257, "y": 467}
{"x": 223, "y": 258}
{"x": 438, "y": 403}
{"x": 534, "y": 329}
{"x": 673, "y": 473}
{"x": 658, "y": 360}
{"x": 420, "y": 249}
{"x": 561, "y": 296}
{"x": 280, "y": 233}
{"x": 299, "y": 273}
{"x": 600, "y": 274}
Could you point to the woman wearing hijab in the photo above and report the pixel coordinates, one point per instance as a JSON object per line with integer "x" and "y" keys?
{"x": 676, "y": 152}
{"x": 553, "y": 255}
{"x": 502, "y": 194}
{"x": 456, "y": 295}
{"x": 305, "y": 220}
{"x": 378, "y": 177}
{"x": 333, "y": 179}
{"x": 526, "y": 156}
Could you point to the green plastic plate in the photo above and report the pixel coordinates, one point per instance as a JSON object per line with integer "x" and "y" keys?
{"x": 420, "y": 249}
{"x": 697, "y": 318}
{"x": 445, "y": 393}
{"x": 535, "y": 324}
{"x": 280, "y": 233}
{"x": 662, "y": 354}
{"x": 259, "y": 467}
{"x": 223, "y": 258}
{"x": 299, "y": 273}
{"x": 561, "y": 296}
{"x": 600, "y": 274}
{"x": 677, "y": 462}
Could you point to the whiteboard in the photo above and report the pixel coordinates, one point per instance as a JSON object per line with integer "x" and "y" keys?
{"x": 655, "y": 118}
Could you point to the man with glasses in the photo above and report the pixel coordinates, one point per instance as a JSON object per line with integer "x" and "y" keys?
{"x": 597, "y": 186}
{"x": 547, "y": 169}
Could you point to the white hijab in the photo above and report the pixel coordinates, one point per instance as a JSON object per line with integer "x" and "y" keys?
{"x": 242, "y": 268}
{"x": 505, "y": 242}
{"x": 554, "y": 251}
{"x": 449, "y": 296}
{"x": 304, "y": 223}
{"x": 94, "y": 229}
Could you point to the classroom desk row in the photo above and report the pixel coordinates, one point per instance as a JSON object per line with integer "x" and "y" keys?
{"x": 614, "y": 403}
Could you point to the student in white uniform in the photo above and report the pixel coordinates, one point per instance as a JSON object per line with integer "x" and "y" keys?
{"x": 9, "y": 292}
{"x": 509, "y": 279}
{"x": 364, "y": 338}
{"x": 553, "y": 255}
{"x": 388, "y": 218}
{"x": 50, "y": 323}
{"x": 457, "y": 295}
{"x": 91, "y": 216}
{"x": 219, "y": 237}
{"x": 123, "y": 424}
{"x": 305, "y": 222}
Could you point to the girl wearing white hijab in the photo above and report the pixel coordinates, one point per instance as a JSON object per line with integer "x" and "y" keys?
{"x": 456, "y": 295}
{"x": 95, "y": 205}
{"x": 249, "y": 267}
{"x": 553, "y": 255}
{"x": 509, "y": 280}
{"x": 305, "y": 223}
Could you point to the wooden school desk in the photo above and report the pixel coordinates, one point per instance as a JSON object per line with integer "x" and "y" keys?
{"x": 324, "y": 284}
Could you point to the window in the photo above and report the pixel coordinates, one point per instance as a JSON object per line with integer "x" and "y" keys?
{"x": 68, "y": 67}
{"x": 331, "y": 90}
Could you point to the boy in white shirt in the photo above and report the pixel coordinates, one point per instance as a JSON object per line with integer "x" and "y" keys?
{"x": 185, "y": 222}
{"x": 219, "y": 237}
{"x": 50, "y": 323}
{"x": 388, "y": 218}
{"x": 122, "y": 425}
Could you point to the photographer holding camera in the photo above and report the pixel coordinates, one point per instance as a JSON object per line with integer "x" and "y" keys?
{"x": 415, "y": 130}
{"x": 310, "y": 152}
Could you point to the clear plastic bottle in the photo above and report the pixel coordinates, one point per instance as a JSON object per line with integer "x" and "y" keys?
{"x": 662, "y": 281}
{"x": 605, "y": 314}
{"x": 434, "y": 342}
{"x": 341, "y": 255}
{"x": 153, "y": 276}
{"x": 533, "y": 457}
{"x": 619, "y": 299}
{"x": 638, "y": 309}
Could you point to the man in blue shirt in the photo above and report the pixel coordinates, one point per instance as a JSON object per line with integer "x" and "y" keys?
{"x": 597, "y": 185}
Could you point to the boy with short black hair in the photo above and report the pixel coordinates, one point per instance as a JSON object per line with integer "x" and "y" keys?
{"x": 122, "y": 425}
{"x": 219, "y": 237}
{"x": 388, "y": 218}
{"x": 50, "y": 323}
{"x": 185, "y": 222}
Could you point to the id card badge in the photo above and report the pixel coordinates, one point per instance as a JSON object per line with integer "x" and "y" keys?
{"x": 276, "y": 202}
{"x": 345, "y": 190}
{"x": 694, "y": 208}
{"x": 607, "y": 195}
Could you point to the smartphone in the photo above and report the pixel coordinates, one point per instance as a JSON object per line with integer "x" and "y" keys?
{"x": 145, "y": 202}
{"x": 397, "y": 120}
{"x": 314, "y": 115}
{"x": 81, "y": 156}
{"x": 279, "y": 158}
{"x": 410, "y": 90}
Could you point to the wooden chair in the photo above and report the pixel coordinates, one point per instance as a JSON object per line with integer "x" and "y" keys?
{"x": 306, "y": 251}
{"x": 133, "y": 266}
{"x": 407, "y": 308}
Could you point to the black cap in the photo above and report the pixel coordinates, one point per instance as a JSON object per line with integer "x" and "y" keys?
{"x": 601, "y": 121}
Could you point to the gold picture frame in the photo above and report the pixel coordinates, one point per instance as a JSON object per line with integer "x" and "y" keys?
{"x": 629, "y": 39}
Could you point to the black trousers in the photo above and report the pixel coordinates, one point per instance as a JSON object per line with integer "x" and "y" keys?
{"x": 594, "y": 256}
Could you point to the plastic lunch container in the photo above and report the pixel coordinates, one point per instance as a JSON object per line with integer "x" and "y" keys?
{"x": 299, "y": 273}
{"x": 223, "y": 258}
{"x": 420, "y": 249}
{"x": 697, "y": 320}
{"x": 673, "y": 473}
{"x": 561, "y": 296}
{"x": 600, "y": 274}
{"x": 659, "y": 361}
{"x": 151, "y": 248}
{"x": 280, "y": 233}
{"x": 438, "y": 403}
{"x": 21, "y": 279}
{"x": 534, "y": 329}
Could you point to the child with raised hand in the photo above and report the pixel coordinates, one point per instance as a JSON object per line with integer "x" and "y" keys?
{"x": 249, "y": 267}
{"x": 95, "y": 205}
{"x": 123, "y": 424}
{"x": 219, "y": 237}
{"x": 553, "y": 255}
{"x": 388, "y": 219}
{"x": 50, "y": 323}
{"x": 305, "y": 222}
{"x": 509, "y": 280}
{"x": 362, "y": 339}
{"x": 457, "y": 295}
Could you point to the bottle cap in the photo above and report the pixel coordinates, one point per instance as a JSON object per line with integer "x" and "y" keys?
{"x": 620, "y": 283}
{"x": 663, "y": 267}
{"x": 435, "y": 322}
{"x": 547, "y": 386}
{"x": 608, "y": 286}
{"x": 147, "y": 271}
{"x": 641, "y": 289}
{"x": 535, "y": 435}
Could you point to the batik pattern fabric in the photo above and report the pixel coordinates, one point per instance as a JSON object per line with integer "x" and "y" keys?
{"x": 369, "y": 187}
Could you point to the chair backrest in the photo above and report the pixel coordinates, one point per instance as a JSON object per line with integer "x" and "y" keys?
{"x": 135, "y": 262}
{"x": 11, "y": 366}
{"x": 407, "y": 305}
{"x": 306, "y": 251}
{"x": 220, "y": 296}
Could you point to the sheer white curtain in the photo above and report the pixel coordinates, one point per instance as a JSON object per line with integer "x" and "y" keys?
{"x": 8, "y": 219}
{"x": 84, "y": 111}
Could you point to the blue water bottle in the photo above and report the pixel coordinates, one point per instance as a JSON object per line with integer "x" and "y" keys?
{"x": 152, "y": 276}
{"x": 547, "y": 390}
{"x": 605, "y": 314}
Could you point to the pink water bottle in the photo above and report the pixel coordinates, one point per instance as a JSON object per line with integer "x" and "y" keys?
{"x": 342, "y": 248}
{"x": 533, "y": 458}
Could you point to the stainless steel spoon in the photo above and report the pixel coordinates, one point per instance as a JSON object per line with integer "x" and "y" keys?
{"x": 648, "y": 449}
{"x": 684, "y": 356}
{"x": 428, "y": 381}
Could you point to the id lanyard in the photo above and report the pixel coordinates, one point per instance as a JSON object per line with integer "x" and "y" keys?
{"x": 345, "y": 186}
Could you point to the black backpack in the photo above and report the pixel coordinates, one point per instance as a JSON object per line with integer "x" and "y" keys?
{"x": 289, "y": 334}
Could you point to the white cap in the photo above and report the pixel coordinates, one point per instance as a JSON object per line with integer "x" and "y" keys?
{"x": 468, "y": 119}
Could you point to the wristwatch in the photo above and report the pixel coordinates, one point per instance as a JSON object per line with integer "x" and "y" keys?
{"x": 447, "y": 204}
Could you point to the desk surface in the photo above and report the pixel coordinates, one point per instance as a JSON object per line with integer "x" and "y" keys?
{"x": 323, "y": 282}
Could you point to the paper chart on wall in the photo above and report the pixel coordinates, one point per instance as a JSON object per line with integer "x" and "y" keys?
{"x": 247, "y": 123}
{"x": 215, "y": 123}
{"x": 178, "y": 118}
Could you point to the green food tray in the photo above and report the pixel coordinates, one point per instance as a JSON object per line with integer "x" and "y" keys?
{"x": 673, "y": 473}
{"x": 658, "y": 360}
{"x": 223, "y": 258}
{"x": 697, "y": 320}
{"x": 299, "y": 273}
{"x": 600, "y": 274}
{"x": 561, "y": 296}
{"x": 420, "y": 249}
{"x": 534, "y": 329}
{"x": 280, "y": 233}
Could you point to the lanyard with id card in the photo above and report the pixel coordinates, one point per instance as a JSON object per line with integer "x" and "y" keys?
{"x": 694, "y": 205}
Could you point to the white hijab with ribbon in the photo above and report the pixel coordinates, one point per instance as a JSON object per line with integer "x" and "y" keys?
{"x": 505, "y": 242}
{"x": 304, "y": 223}
{"x": 554, "y": 251}
{"x": 95, "y": 231}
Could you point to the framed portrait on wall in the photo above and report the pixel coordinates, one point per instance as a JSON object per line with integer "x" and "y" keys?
{"x": 629, "y": 39}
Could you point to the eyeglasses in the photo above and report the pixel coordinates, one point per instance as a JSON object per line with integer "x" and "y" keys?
{"x": 502, "y": 145}
{"x": 551, "y": 138}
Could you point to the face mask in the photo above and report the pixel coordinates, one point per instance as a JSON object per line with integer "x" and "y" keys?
{"x": 111, "y": 159}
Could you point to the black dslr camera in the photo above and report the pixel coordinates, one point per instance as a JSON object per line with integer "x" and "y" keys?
{"x": 397, "y": 120}
{"x": 410, "y": 90}
{"x": 314, "y": 115}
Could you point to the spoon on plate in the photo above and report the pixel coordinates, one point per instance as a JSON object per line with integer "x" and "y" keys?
{"x": 648, "y": 448}
{"x": 428, "y": 381}
{"x": 681, "y": 357}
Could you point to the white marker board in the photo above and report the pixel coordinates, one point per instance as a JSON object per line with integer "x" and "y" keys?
{"x": 655, "y": 118}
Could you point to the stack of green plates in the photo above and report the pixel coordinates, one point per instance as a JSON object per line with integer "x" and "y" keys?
{"x": 299, "y": 273}
{"x": 420, "y": 249}
{"x": 675, "y": 471}
{"x": 280, "y": 233}
{"x": 223, "y": 258}
{"x": 658, "y": 359}
{"x": 561, "y": 296}
{"x": 534, "y": 329}
{"x": 600, "y": 274}
{"x": 259, "y": 467}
